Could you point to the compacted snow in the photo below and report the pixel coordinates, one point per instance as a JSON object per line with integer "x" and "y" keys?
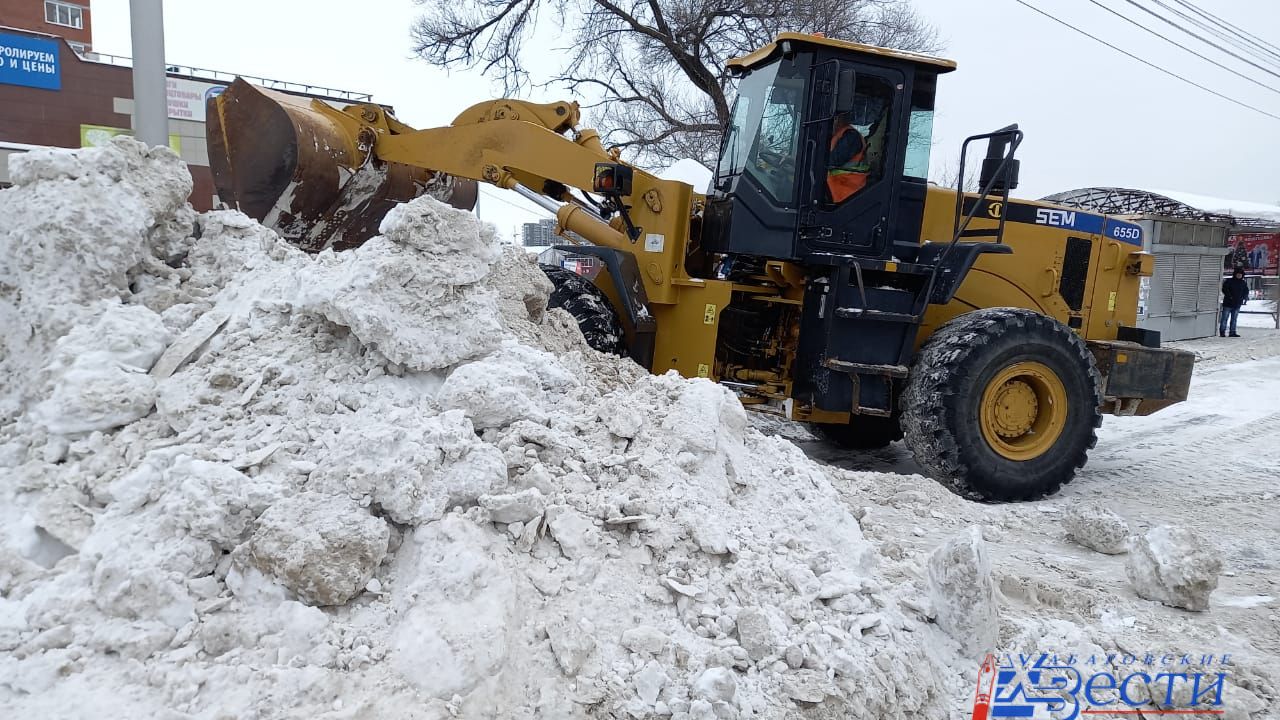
{"x": 240, "y": 481}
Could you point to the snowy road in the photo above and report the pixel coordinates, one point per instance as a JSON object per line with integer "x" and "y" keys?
{"x": 1211, "y": 464}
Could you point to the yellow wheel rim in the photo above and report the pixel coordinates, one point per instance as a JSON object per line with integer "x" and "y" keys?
{"x": 1024, "y": 410}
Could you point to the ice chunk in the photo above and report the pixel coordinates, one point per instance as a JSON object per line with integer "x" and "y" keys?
{"x": 493, "y": 392}
{"x": 649, "y": 682}
{"x": 571, "y": 643}
{"x": 324, "y": 548}
{"x": 517, "y": 507}
{"x": 717, "y": 684}
{"x": 455, "y": 608}
{"x": 645, "y": 639}
{"x": 756, "y": 633}
{"x": 963, "y": 594}
{"x": 1096, "y": 527}
{"x": 1174, "y": 566}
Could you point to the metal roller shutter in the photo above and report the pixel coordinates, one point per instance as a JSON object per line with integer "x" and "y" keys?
{"x": 1186, "y": 283}
{"x": 1161, "y": 298}
{"x": 1210, "y": 282}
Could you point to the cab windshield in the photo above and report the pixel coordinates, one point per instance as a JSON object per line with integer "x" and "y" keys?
{"x": 764, "y": 130}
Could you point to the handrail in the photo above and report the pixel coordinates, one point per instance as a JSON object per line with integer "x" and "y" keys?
{"x": 219, "y": 75}
{"x": 998, "y": 177}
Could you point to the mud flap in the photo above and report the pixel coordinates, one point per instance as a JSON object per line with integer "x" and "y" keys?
{"x": 625, "y": 289}
{"x": 1139, "y": 380}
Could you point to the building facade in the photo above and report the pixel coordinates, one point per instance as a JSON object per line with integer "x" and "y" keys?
{"x": 540, "y": 234}
{"x": 1181, "y": 298}
{"x": 53, "y": 96}
{"x": 69, "y": 20}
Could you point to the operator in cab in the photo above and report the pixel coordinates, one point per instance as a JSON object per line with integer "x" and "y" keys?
{"x": 847, "y": 166}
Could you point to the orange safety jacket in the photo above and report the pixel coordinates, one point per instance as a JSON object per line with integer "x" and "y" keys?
{"x": 851, "y": 176}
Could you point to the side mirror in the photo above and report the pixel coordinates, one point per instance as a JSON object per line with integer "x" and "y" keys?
{"x": 613, "y": 179}
{"x": 844, "y": 91}
{"x": 997, "y": 147}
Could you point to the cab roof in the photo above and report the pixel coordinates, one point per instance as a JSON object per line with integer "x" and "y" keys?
{"x": 746, "y": 62}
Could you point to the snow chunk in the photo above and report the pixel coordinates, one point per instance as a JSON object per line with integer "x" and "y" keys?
{"x": 716, "y": 684}
{"x": 455, "y": 609}
{"x": 412, "y": 292}
{"x": 963, "y": 594}
{"x": 1096, "y": 527}
{"x": 649, "y": 682}
{"x": 1174, "y": 566}
{"x": 424, "y": 466}
{"x": 809, "y": 686}
{"x": 756, "y": 632}
{"x": 90, "y": 397}
{"x": 96, "y": 377}
{"x": 493, "y": 393}
{"x": 395, "y": 301}
{"x": 645, "y": 639}
{"x": 156, "y": 174}
{"x": 453, "y": 243}
{"x": 73, "y": 230}
{"x": 518, "y": 507}
{"x": 576, "y": 534}
{"x": 571, "y": 642}
{"x": 324, "y": 548}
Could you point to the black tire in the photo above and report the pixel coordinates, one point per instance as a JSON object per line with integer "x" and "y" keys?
{"x": 596, "y": 317}
{"x": 863, "y": 432}
{"x": 942, "y": 404}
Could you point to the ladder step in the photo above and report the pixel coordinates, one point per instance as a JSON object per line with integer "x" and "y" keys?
{"x": 861, "y": 314}
{"x": 865, "y": 369}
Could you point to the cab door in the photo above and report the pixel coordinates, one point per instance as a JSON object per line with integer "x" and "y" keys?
{"x": 860, "y": 223}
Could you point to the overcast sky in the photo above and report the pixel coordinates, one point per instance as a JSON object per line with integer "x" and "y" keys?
{"x": 1092, "y": 116}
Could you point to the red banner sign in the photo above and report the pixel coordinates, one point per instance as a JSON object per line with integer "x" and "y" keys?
{"x": 1257, "y": 253}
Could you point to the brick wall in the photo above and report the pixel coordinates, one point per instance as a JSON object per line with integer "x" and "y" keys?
{"x": 53, "y": 117}
{"x": 92, "y": 94}
{"x": 29, "y": 15}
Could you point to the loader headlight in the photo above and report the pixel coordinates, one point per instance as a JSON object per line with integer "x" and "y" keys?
{"x": 611, "y": 179}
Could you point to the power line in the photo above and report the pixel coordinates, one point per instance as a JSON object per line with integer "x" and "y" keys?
{"x": 499, "y": 198}
{"x": 1184, "y": 47}
{"x": 1201, "y": 38}
{"x": 1146, "y": 62}
{"x": 1218, "y": 31}
{"x": 1239, "y": 33}
{"x": 1233, "y": 38}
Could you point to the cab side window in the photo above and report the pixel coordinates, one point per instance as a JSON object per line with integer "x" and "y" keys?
{"x": 856, "y": 147}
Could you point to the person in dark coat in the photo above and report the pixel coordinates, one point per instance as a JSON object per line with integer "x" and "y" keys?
{"x": 1235, "y": 292}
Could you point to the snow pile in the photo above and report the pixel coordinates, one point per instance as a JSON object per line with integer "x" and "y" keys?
{"x": 238, "y": 480}
{"x": 69, "y": 264}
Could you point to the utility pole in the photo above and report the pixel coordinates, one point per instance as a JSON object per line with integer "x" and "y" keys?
{"x": 150, "y": 99}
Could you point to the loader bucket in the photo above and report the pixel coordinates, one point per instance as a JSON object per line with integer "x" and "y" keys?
{"x": 287, "y": 162}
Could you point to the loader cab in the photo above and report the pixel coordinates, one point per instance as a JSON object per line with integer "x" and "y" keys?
{"x": 826, "y": 153}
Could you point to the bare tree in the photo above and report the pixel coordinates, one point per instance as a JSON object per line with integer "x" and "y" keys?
{"x": 656, "y": 67}
{"x": 948, "y": 175}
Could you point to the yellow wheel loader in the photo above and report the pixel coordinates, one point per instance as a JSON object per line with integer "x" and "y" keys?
{"x": 821, "y": 276}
